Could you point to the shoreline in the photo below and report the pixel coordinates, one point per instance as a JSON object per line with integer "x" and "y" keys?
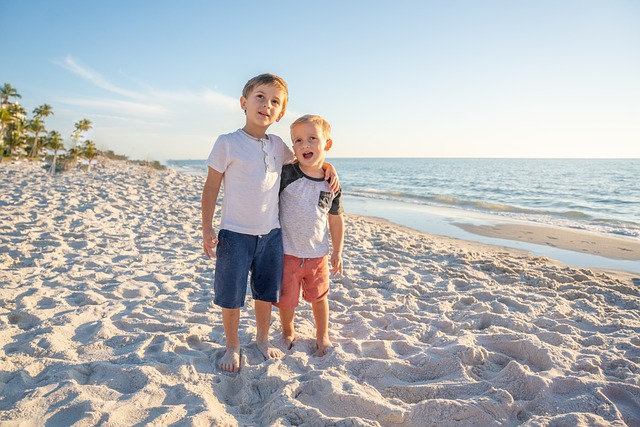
{"x": 579, "y": 248}
{"x": 578, "y": 241}
{"x": 106, "y": 317}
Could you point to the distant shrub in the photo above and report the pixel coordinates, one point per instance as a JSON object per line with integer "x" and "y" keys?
{"x": 153, "y": 164}
{"x": 109, "y": 154}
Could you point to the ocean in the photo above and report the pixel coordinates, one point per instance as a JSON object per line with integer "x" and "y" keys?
{"x": 601, "y": 196}
{"x": 597, "y": 195}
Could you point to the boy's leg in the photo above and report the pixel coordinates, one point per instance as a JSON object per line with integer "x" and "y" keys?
{"x": 263, "y": 322}
{"x": 266, "y": 285}
{"x": 315, "y": 290}
{"x": 291, "y": 282}
{"x": 321, "y": 316}
{"x": 231, "y": 321}
{"x": 230, "y": 285}
{"x": 288, "y": 331}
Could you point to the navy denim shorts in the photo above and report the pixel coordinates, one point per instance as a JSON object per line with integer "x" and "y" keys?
{"x": 237, "y": 255}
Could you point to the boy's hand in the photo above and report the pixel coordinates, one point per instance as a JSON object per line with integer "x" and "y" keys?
{"x": 336, "y": 263}
{"x": 209, "y": 242}
{"x": 331, "y": 175}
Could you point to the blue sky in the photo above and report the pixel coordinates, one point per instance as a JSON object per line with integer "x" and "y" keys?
{"x": 497, "y": 78}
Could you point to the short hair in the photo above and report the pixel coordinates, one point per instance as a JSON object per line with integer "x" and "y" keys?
{"x": 316, "y": 120}
{"x": 267, "y": 79}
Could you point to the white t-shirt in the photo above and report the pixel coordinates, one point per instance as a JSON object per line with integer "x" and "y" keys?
{"x": 251, "y": 180}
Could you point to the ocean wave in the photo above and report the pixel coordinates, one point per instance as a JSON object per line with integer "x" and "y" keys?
{"x": 441, "y": 200}
{"x": 561, "y": 218}
{"x": 575, "y": 215}
{"x": 190, "y": 167}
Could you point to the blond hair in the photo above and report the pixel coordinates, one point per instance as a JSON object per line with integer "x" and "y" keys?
{"x": 267, "y": 79}
{"x": 316, "y": 120}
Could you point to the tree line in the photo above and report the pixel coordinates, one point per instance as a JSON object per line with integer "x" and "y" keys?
{"x": 22, "y": 137}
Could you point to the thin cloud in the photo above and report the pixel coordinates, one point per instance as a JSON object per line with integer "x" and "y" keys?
{"x": 111, "y": 118}
{"x": 126, "y": 107}
{"x": 95, "y": 78}
{"x": 206, "y": 97}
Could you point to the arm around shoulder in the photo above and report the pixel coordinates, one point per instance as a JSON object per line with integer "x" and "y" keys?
{"x": 331, "y": 175}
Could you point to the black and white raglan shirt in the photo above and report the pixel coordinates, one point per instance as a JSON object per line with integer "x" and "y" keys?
{"x": 305, "y": 203}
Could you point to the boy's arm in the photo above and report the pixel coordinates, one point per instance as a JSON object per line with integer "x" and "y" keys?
{"x": 331, "y": 175}
{"x": 209, "y": 198}
{"x": 336, "y": 230}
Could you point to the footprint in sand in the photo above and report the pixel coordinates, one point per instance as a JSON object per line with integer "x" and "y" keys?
{"x": 626, "y": 402}
{"x": 24, "y": 320}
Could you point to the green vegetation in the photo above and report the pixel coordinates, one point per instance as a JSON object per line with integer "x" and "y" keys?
{"x": 154, "y": 164}
{"x": 27, "y": 138}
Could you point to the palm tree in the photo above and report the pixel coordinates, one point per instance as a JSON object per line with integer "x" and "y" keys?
{"x": 7, "y": 92}
{"x": 54, "y": 143}
{"x": 35, "y": 126}
{"x": 80, "y": 128}
{"x": 89, "y": 152}
{"x": 5, "y": 119}
{"x": 45, "y": 110}
{"x": 14, "y": 136}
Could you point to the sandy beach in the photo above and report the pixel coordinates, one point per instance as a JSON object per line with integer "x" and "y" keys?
{"x": 106, "y": 318}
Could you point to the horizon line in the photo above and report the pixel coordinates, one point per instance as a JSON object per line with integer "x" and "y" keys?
{"x": 461, "y": 157}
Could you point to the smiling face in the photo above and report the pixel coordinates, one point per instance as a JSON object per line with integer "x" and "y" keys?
{"x": 263, "y": 106}
{"x": 310, "y": 147}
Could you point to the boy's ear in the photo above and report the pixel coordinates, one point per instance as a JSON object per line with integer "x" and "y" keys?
{"x": 280, "y": 116}
{"x": 243, "y": 103}
{"x": 328, "y": 144}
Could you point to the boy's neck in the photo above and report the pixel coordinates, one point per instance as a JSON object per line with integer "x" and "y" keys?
{"x": 312, "y": 171}
{"x": 256, "y": 132}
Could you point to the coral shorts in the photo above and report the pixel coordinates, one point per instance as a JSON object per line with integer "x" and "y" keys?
{"x": 309, "y": 274}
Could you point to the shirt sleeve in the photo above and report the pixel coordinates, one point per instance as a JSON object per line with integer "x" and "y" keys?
{"x": 336, "y": 204}
{"x": 287, "y": 154}
{"x": 219, "y": 156}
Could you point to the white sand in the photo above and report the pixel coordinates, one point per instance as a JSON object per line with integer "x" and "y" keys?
{"x": 106, "y": 319}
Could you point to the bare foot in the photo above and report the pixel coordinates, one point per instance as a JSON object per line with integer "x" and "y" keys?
{"x": 288, "y": 342}
{"x": 323, "y": 346}
{"x": 269, "y": 351}
{"x": 230, "y": 362}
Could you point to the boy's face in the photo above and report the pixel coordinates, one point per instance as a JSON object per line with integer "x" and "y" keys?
{"x": 309, "y": 144}
{"x": 263, "y": 105}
